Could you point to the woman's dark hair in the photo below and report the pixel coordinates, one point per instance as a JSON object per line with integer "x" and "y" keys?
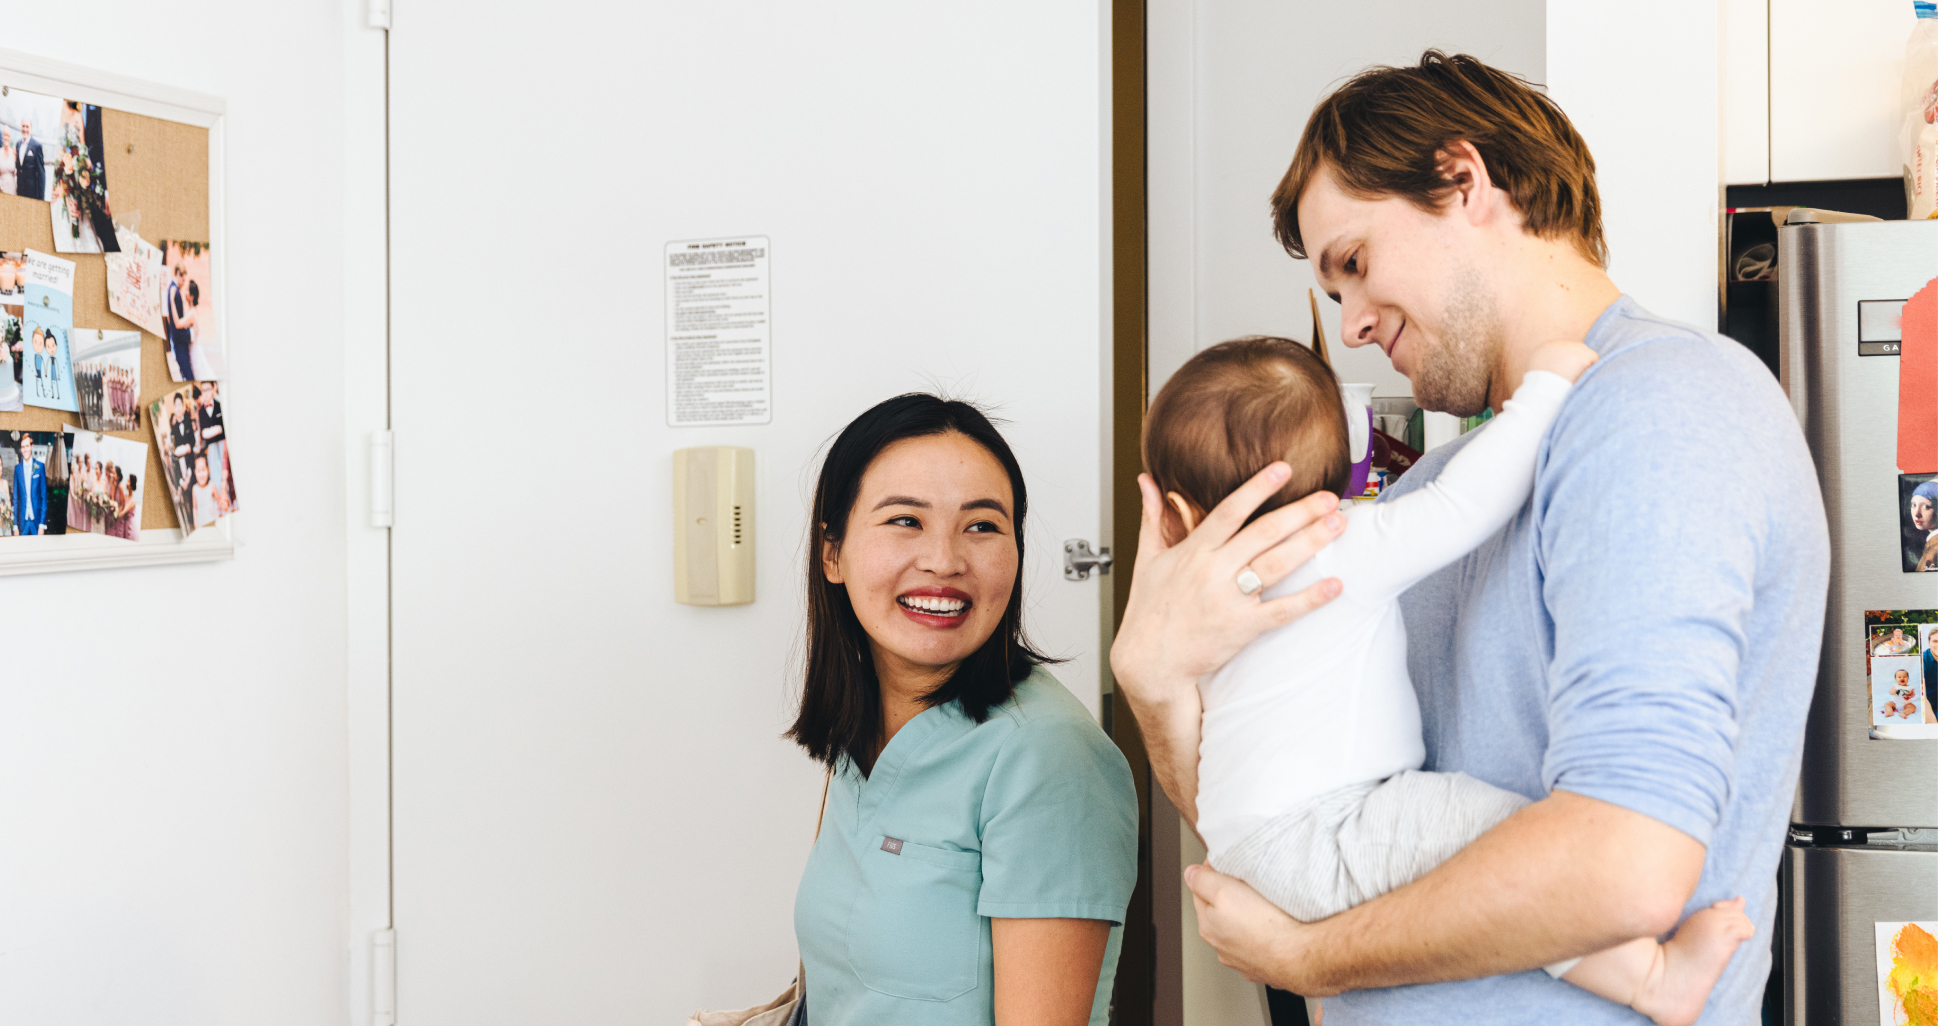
{"x": 840, "y": 698}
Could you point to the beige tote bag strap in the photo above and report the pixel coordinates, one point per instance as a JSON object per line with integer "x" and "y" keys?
{"x": 823, "y": 814}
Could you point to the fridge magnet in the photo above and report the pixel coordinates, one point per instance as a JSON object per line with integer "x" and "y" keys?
{"x": 194, "y": 443}
{"x": 104, "y": 485}
{"x": 107, "y": 378}
{"x": 33, "y": 468}
{"x": 12, "y": 345}
{"x": 1902, "y": 673}
{"x": 46, "y": 316}
{"x": 30, "y": 142}
{"x": 79, "y": 197}
{"x": 1907, "y": 974}
{"x": 1918, "y": 521}
{"x": 134, "y": 282}
{"x": 188, "y": 319}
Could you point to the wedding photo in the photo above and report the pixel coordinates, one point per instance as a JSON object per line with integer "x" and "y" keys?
{"x": 83, "y": 223}
{"x": 10, "y": 350}
{"x": 33, "y": 464}
{"x": 31, "y": 127}
{"x": 189, "y": 428}
{"x": 104, "y": 485}
{"x": 188, "y": 314}
{"x": 107, "y": 378}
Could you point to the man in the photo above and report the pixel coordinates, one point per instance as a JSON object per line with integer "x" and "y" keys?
{"x": 31, "y": 179}
{"x": 1633, "y": 654}
{"x": 183, "y": 440}
{"x": 29, "y": 490}
{"x": 177, "y": 321}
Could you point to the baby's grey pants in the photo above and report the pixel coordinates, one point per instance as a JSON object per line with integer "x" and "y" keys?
{"x": 1352, "y": 845}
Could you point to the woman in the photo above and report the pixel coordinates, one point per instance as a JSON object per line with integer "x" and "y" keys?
{"x": 1920, "y": 525}
{"x": 9, "y": 164}
{"x": 979, "y": 839}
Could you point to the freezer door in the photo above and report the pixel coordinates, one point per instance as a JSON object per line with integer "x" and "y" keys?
{"x": 1848, "y": 405}
{"x": 1833, "y": 900}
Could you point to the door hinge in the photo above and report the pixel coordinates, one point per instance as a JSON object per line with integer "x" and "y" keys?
{"x": 382, "y": 480}
{"x": 1078, "y": 560}
{"x": 383, "y": 978}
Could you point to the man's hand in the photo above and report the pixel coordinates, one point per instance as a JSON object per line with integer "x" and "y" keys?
{"x": 1186, "y": 616}
{"x": 1249, "y": 933}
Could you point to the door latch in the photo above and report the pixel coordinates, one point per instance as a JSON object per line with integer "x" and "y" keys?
{"x": 1078, "y": 560}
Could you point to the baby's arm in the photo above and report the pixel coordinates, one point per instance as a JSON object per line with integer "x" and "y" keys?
{"x": 1394, "y": 544}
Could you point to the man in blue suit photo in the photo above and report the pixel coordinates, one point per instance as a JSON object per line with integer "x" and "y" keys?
{"x": 29, "y": 489}
{"x": 31, "y": 180}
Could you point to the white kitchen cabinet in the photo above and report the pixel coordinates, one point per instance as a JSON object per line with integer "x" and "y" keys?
{"x": 1746, "y": 91}
{"x": 1834, "y": 71}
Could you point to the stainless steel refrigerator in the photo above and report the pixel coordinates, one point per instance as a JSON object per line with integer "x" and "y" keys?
{"x": 1863, "y": 849}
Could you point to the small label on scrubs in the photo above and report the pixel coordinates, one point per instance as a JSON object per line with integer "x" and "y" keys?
{"x": 891, "y": 846}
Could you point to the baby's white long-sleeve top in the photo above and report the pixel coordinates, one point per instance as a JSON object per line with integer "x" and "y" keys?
{"x": 1325, "y": 701}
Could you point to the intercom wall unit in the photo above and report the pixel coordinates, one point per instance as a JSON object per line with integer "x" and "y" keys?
{"x": 713, "y": 526}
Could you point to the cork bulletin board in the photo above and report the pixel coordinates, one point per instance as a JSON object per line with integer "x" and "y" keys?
{"x": 162, "y": 159}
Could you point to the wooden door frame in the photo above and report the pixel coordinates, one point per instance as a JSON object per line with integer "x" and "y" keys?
{"x": 1149, "y": 987}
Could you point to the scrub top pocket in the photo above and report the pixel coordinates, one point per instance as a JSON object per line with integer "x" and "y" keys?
{"x": 913, "y": 931}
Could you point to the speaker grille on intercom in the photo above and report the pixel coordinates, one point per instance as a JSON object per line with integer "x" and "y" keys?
{"x": 736, "y": 525}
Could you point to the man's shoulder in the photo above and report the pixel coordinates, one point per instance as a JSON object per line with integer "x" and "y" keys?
{"x": 1648, "y": 361}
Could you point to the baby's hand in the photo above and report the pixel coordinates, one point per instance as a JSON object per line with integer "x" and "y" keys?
{"x": 1566, "y": 359}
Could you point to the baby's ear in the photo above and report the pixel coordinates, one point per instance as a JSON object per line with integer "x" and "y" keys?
{"x": 1181, "y": 517}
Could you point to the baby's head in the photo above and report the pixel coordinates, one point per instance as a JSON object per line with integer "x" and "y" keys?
{"x": 1230, "y": 412}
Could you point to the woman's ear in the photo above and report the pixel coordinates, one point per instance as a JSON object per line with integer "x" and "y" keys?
{"x": 830, "y": 558}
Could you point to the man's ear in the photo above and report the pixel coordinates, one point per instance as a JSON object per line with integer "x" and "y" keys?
{"x": 830, "y": 558}
{"x": 1475, "y": 196}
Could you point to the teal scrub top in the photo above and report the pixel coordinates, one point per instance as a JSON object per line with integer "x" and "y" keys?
{"x": 1029, "y": 814}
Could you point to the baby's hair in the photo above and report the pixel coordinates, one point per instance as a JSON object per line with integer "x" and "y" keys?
{"x": 1233, "y": 409}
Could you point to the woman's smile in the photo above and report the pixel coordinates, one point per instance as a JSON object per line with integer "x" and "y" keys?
{"x": 935, "y": 607}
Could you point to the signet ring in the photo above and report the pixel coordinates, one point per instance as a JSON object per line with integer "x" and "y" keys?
{"x": 1248, "y": 582}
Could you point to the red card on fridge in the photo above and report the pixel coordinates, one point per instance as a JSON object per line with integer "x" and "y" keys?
{"x": 1918, "y": 384}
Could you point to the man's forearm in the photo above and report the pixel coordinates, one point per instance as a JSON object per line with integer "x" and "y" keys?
{"x": 1563, "y": 877}
{"x": 1171, "y": 732}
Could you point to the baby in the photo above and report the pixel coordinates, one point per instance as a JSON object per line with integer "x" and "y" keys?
{"x": 1309, "y": 781}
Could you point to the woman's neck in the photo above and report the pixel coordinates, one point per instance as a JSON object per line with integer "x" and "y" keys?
{"x": 903, "y": 690}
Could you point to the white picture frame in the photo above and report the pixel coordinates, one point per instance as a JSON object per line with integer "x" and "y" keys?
{"x": 158, "y": 546}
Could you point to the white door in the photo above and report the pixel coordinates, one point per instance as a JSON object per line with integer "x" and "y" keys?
{"x": 596, "y": 820}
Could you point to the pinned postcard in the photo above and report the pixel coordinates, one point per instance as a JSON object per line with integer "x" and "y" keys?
{"x": 188, "y": 314}
{"x": 33, "y": 473}
{"x": 11, "y": 347}
{"x": 104, "y": 484}
{"x": 107, "y": 378}
{"x": 135, "y": 278}
{"x": 47, "y": 315}
{"x": 31, "y": 130}
{"x": 1902, "y": 672}
{"x": 194, "y": 443}
{"x": 82, "y": 221}
{"x": 1907, "y": 973}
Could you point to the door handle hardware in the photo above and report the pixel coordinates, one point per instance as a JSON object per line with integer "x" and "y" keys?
{"x": 1078, "y": 560}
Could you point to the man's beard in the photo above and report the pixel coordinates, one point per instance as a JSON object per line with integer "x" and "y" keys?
{"x": 1454, "y": 375}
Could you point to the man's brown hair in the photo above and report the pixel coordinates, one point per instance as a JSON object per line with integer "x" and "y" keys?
{"x": 1385, "y": 133}
{"x": 1236, "y": 407}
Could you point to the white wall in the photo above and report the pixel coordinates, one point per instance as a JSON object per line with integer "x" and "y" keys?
{"x": 1640, "y": 81}
{"x": 172, "y": 740}
{"x": 1231, "y": 88}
